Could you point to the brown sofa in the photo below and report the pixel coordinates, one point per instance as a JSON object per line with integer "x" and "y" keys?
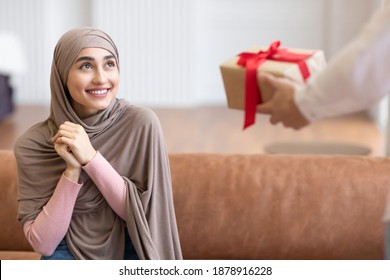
{"x": 256, "y": 206}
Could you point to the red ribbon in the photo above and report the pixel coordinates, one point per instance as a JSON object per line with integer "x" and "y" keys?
{"x": 252, "y": 61}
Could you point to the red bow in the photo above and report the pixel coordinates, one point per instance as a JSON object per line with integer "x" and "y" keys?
{"x": 252, "y": 61}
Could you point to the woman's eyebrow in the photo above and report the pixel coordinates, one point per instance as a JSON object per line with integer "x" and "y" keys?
{"x": 84, "y": 58}
{"x": 89, "y": 58}
{"x": 109, "y": 57}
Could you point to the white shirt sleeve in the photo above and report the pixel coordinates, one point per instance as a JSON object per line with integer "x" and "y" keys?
{"x": 359, "y": 76}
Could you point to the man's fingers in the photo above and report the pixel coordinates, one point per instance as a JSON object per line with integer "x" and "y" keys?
{"x": 267, "y": 80}
{"x": 274, "y": 120}
{"x": 265, "y": 108}
{"x": 275, "y": 82}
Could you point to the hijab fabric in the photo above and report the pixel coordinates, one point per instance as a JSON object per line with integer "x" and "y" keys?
{"x": 130, "y": 138}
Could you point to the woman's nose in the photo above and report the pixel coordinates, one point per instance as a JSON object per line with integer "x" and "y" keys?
{"x": 99, "y": 77}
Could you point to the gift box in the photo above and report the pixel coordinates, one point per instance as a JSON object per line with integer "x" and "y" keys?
{"x": 241, "y": 74}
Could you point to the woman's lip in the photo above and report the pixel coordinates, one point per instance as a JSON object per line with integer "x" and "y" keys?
{"x": 98, "y": 92}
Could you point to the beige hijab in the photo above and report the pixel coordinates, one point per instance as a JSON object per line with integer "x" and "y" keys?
{"x": 130, "y": 138}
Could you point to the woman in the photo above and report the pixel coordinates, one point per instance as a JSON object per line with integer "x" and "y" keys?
{"x": 94, "y": 178}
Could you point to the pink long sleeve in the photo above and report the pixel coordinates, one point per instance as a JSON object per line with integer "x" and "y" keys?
{"x": 110, "y": 183}
{"x": 50, "y": 226}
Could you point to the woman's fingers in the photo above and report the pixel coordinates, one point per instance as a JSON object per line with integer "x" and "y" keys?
{"x": 68, "y": 130}
{"x": 74, "y": 136}
{"x": 66, "y": 154}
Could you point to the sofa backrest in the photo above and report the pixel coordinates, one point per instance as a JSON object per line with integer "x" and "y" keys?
{"x": 279, "y": 206}
{"x": 259, "y": 206}
{"x": 11, "y": 234}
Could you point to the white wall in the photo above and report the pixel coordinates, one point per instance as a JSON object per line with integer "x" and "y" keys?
{"x": 38, "y": 24}
{"x": 228, "y": 27}
{"x": 171, "y": 49}
{"x": 156, "y": 45}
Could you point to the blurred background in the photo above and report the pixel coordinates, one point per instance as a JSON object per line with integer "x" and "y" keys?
{"x": 170, "y": 52}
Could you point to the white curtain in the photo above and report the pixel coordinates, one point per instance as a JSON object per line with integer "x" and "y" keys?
{"x": 171, "y": 49}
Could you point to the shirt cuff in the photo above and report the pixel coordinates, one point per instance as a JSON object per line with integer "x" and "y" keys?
{"x": 305, "y": 105}
{"x": 68, "y": 182}
{"x": 94, "y": 162}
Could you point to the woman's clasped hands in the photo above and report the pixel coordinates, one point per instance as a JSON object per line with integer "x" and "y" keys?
{"x": 72, "y": 144}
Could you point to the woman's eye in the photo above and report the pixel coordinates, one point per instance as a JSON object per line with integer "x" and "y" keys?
{"x": 86, "y": 66}
{"x": 110, "y": 63}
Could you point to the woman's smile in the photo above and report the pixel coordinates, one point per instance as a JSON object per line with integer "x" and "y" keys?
{"x": 99, "y": 93}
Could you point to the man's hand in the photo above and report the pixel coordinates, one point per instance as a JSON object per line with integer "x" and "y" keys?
{"x": 281, "y": 107}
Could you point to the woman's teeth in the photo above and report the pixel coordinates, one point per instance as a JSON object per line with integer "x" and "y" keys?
{"x": 98, "y": 92}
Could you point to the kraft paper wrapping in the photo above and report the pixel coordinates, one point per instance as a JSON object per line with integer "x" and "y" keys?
{"x": 234, "y": 75}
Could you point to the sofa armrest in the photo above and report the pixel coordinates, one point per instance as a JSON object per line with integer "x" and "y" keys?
{"x": 11, "y": 234}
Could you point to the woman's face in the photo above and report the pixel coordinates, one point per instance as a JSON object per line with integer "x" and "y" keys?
{"x": 93, "y": 81}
